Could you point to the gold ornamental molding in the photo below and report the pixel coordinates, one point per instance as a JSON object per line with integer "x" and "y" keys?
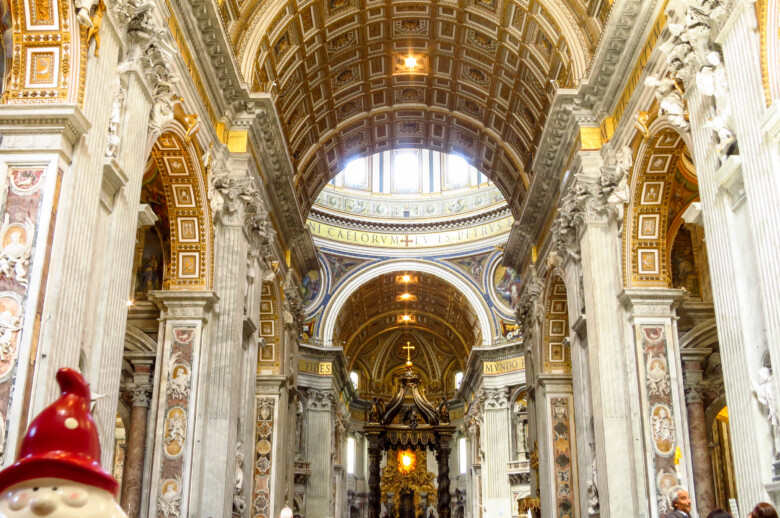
{"x": 49, "y": 54}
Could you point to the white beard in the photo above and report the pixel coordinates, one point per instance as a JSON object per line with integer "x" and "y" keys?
{"x": 68, "y": 500}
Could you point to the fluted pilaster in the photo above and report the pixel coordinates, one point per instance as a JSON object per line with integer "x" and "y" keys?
{"x": 318, "y": 449}
{"x": 732, "y": 309}
{"x": 496, "y": 492}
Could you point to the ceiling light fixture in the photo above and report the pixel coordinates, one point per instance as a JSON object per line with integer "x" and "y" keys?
{"x": 406, "y": 278}
{"x": 411, "y": 62}
{"x": 406, "y": 318}
{"x": 406, "y": 296}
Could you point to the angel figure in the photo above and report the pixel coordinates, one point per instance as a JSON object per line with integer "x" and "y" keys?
{"x": 170, "y": 497}
{"x": 176, "y": 429}
{"x": 620, "y": 195}
{"x": 178, "y": 378}
{"x": 670, "y": 100}
{"x": 657, "y": 379}
{"x": 9, "y": 325}
{"x": 15, "y": 255}
{"x": 83, "y": 9}
{"x": 239, "y": 501}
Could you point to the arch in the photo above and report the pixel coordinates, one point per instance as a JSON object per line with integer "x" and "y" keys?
{"x": 330, "y": 315}
{"x": 175, "y": 168}
{"x": 661, "y": 188}
{"x": 138, "y": 341}
{"x": 556, "y": 355}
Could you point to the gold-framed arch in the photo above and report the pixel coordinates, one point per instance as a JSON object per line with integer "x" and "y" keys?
{"x": 662, "y": 184}
{"x": 556, "y": 354}
{"x": 49, "y": 54}
{"x": 184, "y": 185}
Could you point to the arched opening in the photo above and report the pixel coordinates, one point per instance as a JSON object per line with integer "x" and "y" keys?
{"x": 664, "y": 184}
{"x": 173, "y": 250}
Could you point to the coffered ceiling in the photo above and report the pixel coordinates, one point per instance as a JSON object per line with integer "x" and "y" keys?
{"x": 485, "y": 75}
{"x": 432, "y": 306}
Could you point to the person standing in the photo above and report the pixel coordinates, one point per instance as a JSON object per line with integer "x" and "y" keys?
{"x": 763, "y": 510}
{"x": 681, "y": 503}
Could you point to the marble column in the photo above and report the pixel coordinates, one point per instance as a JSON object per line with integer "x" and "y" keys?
{"x": 731, "y": 256}
{"x": 182, "y": 359}
{"x": 132, "y": 481}
{"x": 759, "y": 156}
{"x": 697, "y": 428}
{"x": 496, "y": 492}
{"x": 319, "y": 429}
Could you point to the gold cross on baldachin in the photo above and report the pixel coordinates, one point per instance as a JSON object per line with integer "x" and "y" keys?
{"x": 409, "y": 349}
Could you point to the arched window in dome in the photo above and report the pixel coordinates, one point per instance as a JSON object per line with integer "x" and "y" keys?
{"x": 355, "y": 379}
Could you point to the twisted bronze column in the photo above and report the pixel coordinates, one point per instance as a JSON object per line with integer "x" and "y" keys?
{"x": 374, "y": 458}
{"x": 443, "y": 456}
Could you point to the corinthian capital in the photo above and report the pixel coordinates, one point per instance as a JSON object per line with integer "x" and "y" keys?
{"x": 235, "y": 201}
{"x": 530, "y": 308}
{"x": 140, "y": 393}
{"x": 496, "y": 399}
{"x": 320, "y": 399}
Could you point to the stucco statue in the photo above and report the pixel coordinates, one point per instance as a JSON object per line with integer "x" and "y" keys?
{"x": 15, "y": 256}
{"x": 670, "y": 100}
{"x": 83, "y": 10}
{"x": 593, "y": 491}
{"x": 765, "y": 393}
{"x": 239, "y": 501}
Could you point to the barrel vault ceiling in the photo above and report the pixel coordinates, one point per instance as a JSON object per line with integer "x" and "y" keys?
{"x": 485, "y": 76}
{"x": 433, "y": 306}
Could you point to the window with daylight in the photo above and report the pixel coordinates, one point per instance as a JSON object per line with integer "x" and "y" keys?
{"x": 456, "y": 173}
{"x": 354, "y": 377}
{"x": 406, "y": 171}
{"x": 458, "y": 379}
{"x": 356, "y": 175}
{"x": 462, "y": 455}
{"x": 350, "y": 455}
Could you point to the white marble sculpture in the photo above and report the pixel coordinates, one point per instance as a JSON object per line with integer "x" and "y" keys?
{"x": 670, "y": 100}
{"x": 10, "y": 324}
{"x": 765, "y": 393}
{"x": 15, "y": 256}
{"x": 83, "y": 9}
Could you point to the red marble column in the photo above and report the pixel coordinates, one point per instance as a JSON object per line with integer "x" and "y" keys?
{"x": 132, "y": 481}
{"x": 700, "y": 452}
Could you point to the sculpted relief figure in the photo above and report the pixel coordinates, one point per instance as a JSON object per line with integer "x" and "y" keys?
{"x": 10, "y": 324}
{"x": 15, "y": 255}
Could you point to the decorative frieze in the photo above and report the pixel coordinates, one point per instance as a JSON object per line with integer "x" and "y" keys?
{"x": 264, "y": 430}
{"x": 562, "y": 457}
{"x": 660, "y": 409}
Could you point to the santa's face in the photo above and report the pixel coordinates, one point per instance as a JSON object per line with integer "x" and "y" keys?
{"x": 57, "y": 498}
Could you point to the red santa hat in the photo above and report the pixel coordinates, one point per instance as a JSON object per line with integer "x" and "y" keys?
{"x": 62, "y": 442}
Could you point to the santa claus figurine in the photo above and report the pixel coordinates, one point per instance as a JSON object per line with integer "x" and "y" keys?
{"x": 58, "y": 472}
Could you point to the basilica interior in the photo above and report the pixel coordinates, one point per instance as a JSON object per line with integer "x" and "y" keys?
{"x": 412, "y": 258}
